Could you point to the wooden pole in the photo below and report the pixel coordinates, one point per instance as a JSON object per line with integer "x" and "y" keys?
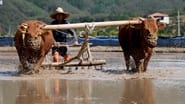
{"x": 90, "y": 24}
{"x": 178, "y": 24}
{"x": 72, "y": 64}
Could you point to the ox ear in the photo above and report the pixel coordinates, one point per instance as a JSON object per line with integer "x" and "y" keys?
{"x": 22, "y": 27}
{"x": 40, "y": 29}
{"x": 161, "y": 25}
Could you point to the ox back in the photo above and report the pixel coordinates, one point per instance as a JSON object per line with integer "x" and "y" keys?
{"x": 130, "y": 39}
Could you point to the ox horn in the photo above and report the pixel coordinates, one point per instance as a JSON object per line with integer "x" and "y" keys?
{"x": 141, "y": 18}
{"x": 23, "y": 28}
{"x": 157, "y": 19}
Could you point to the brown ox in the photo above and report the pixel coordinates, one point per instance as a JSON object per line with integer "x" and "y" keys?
{"x": 32, "y": 44}
{"x": 138, "y": 41}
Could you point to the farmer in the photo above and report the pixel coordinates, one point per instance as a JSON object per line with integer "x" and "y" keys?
{"x": 60, "y": 36}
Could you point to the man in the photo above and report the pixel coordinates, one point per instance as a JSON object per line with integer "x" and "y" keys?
{"x": 60, "y": 36}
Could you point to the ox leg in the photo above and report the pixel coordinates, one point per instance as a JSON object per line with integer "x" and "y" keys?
{"x": 36, "y": 66}
{"x": 146, "y": 61}
{"x": 39, "y": 62}
{"x": 24, "y": 63}
{"x": 23, "y": 67}
{"x": 139, "y": 65}
{"x": 127, "y": 61}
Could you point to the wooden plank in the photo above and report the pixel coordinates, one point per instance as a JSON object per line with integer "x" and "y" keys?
{"x": 91, "y": 24}
{"x": 70, "y": 45}
{"x": 73, "y": 64}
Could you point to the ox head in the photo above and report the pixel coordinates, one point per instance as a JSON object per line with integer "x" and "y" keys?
{"x": 31, "y": 33}
{"x": 150, "y": 27}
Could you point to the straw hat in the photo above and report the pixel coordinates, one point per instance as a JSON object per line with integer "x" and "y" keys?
{"x": 59, "y": 10}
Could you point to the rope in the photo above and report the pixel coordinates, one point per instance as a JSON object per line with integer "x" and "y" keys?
{"x": 89, "y": 27}
{"x": 84, "y": 48}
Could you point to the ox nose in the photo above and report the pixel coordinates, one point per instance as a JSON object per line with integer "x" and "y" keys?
{"x": 151, "y": 36}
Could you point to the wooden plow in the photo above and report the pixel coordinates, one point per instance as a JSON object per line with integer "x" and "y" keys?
{"x": 85, "y": 47}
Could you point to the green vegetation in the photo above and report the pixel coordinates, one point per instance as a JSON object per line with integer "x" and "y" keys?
{"x": 12, "y": 12}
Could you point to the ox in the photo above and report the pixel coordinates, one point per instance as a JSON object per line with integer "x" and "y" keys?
{"x": 137, "y": 41}
{"x": 32, "y": 44}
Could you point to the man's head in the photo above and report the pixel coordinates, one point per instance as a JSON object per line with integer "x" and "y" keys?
{"x": 59, "y": 17}
{"x": 59, "y": 14}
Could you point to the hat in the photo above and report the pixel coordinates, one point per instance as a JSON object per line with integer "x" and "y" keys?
{"x": 59, "y": 10}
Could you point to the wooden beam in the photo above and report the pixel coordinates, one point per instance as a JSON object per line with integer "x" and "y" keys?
{"x": 90, "y": 24}
{"x": 72, "y": 64}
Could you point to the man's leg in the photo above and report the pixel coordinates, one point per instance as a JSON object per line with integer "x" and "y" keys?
{"x": 56, "y": 55}
{"x": 64, "y": 53}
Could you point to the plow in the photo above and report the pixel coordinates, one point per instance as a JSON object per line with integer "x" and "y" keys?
{"x": 84, "y": 50}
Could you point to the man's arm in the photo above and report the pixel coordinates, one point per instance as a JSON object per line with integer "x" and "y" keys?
{"x": 73, "y": 33}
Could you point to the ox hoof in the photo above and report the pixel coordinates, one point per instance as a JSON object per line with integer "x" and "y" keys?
{"x": 21, "y": 71}
{"x": 32, "y": 72}
{"x": 133, "y": 70}
{"x": 36, "y": 71}
{"x": 29, "y": 72}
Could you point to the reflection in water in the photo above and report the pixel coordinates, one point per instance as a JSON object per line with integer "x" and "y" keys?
{"x": 32, "y": 93}
{"x": 78, "y": 92}
{"x": 70, "y": 92}
{"x": 138, "y": 92}
{"x": 57, "y": 91}
{"x": 54, "y": 92}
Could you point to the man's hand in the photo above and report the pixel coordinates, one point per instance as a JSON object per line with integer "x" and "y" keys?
{"x": 56, "y": 44}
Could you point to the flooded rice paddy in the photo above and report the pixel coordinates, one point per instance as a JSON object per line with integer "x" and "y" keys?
{"x": 163, "y": 83}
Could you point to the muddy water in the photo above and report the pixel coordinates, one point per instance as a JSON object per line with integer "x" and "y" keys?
{"x": 63, "y": 91}
{"x": 99, "y": 88}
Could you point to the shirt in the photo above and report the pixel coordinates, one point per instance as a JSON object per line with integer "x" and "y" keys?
{"x": 60, "y": 35}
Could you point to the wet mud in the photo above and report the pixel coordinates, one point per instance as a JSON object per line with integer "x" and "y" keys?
{"x": 163, "y": 83}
